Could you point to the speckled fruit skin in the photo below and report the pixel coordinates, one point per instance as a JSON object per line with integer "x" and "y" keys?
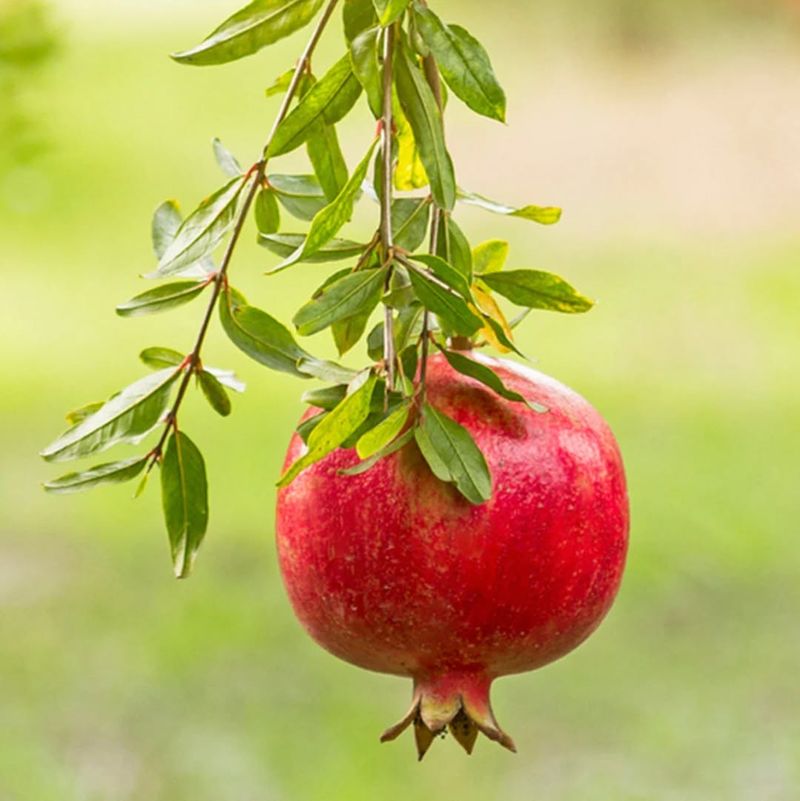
{"x": 395, "y": 572}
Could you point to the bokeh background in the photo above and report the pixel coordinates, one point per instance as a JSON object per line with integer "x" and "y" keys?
{"x": 670, "y": 132}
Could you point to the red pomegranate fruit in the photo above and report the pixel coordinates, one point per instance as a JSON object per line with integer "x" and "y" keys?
{"x": 394, "y": 571}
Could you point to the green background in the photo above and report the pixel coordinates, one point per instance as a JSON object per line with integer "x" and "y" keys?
{"x": 668, "y": 131}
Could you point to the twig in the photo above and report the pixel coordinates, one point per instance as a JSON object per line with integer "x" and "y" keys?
{"x": 386, "y": 233}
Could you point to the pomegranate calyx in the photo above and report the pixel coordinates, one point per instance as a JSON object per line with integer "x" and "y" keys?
{"x": 458, "y": 703}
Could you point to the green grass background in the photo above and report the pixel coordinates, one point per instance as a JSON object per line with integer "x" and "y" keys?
{"x": 118, "y": 683}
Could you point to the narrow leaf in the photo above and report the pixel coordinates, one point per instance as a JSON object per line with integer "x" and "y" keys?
{"x": 419, "y": 106}
{"x": 538, "y": 290}
{"x": 202, "y": 231}
{"x": 444, "y": 272}
{"x": 112, "y": 473}
{"x": 392, "y": 447}
{"x": 410, "y": 217}
{"x": 409, "y": 171}
{"x": 326, "y": 157}
{"x": 261, "y": 23}
{"x": 281, "y": 84}
{"x": 365, "y": 60}
{"x": 162, "y": 298}
{"x": 184, "y": 496}
{"x": 490, "y": 257}
{"x": 464, "y": 63}
{"x": 357, "y": 293}
{"x": 327, "y": 398}
{"x": 454, "y": 247}
{"x": 347, "y": 332}
{"x": 484, "y": 374}
{"x": 167, "y": 221}
{"x": 301, "y": 195}
{"x": 328, "y": 101}
{"x": 215, "y": 393}
{"x": 544, "y": 215}
{"x": 267, "y": 212}
{"x": 79, "y": 415}
{"x": 358, "y": 15}
{"x": 389, "y": 11}
{"x": 284, "y": 245}
{"x": 227, "y": 378}
{"x": 259, "y": 335}
{"x": 453, "y": 456}
{"x": 332, "y": 218}
{"x": 445, "y": 303}
{"x": 228, "y": 163}
{"x": 334, "y": 429}
{"x": 384, "y": 433}
{"x": 158, "y": 358}
{"x": 127, "y": 417}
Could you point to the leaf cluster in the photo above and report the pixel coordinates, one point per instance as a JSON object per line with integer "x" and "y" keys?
{"x": 398, "y": 296}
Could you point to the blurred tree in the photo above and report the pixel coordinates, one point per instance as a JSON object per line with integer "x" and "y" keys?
{"x": 27, "y": 41}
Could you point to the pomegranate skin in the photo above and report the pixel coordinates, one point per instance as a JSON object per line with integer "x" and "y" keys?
{"x": 394, "y": 571}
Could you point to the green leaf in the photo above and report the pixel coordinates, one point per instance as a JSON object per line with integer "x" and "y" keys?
{"x": 326, "y": 371}
{"x": 490, "y": 257}
{"x": 538, "y": 290}
{"x": 267, "y": 211}
{"x": 357, "y": 293}
{"x": 112, "y": 473}
{"x": 464, "y": 63}
{"x": 127, "y": 417}
{"x": 453, "y": 246}
{"x": 389, "y": 11}
{"x": 544, "y": 215}
{"x": 79, "y": 415}
{"x": 259, "y": 335}
{"x": 327, "y": 159}
{"x": 285, "y": 245}
{"x": 334, "y": 429}
{"x": 486, "y": 376}
{"x": 167, "y": 221}
{"x": 327, "y": 398}
{"x": 215, "y": 393}
{"x": 365, "y": 60}
{"x": 281, "y": 84}
{"x": 261, "y": 23}
{"x": 184, "y": 496}
{"x": 158, "y": 358}
{"x": 227, "y": 378}
{"x": 368, "y": 464}
{"x": 228, "y": 163}
{"x": 162, "y": 298}
{"x": 358, "y": 16}
{"x": 333, "y": 217}
{"x": 202, "y": 230}
{"x": 409, "y": 171}
{"x": 453, "y": 456}
{"x": 419, "y": 106}
{"x": 347, "y": 332}
{"x": 445, "y": 303}
{"x": 301, "y": 195}
{"x": 444, "y": 272}
{"x": 328, "y": 101}
{"x": 408, "y": 326}
{"x": 384, "y": 433}
{"x": 502, "y": 336}
{"x": 410, "y": 217}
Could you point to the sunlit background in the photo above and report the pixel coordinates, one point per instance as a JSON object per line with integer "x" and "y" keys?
{"x": 670, "y": 133}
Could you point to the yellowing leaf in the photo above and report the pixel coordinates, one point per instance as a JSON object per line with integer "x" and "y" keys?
{"x": 488, "y": 305}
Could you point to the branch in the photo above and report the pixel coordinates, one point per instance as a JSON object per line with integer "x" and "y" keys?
{"x": 386, "y": 234}
{"x": 259, "y": 171}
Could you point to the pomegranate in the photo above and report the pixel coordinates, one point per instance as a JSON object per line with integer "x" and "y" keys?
{"x": 394, "y": 571}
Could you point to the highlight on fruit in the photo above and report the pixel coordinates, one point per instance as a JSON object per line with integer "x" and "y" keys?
{"x": 443, "y": 514}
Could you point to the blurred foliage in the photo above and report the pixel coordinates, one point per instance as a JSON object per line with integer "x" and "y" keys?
{"x": 28, "y": 41}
